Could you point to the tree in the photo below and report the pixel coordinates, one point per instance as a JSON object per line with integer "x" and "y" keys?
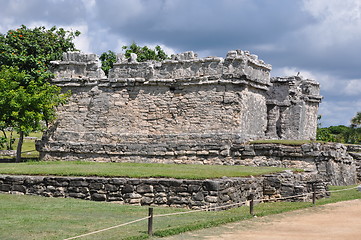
{"x": 145, "y": 53}
{"x": 108, "y": 59}
{"x": 27, "y": 98}
{"x": 356, "y": 121}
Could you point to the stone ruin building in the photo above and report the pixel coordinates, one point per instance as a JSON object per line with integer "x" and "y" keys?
{"x": 187, "y": 110}
{"x": 182, "y": 110}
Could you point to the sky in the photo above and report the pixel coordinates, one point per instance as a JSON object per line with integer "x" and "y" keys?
{"x": 321, "y": 39}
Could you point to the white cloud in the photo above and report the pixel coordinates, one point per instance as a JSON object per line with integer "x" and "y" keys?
{"x": 338, "y": 112}
{"x": 337, "y": 22}
{"x": 7, "y": 24}
{"x": 353, "y": 87}
{"x": 89, "y": 4}
{"x": 35, "y": 24}
{"x": 267, "y": 47}
{"x": 328, "y": 82}
{"x": 341, "y": 101}
{"x": 83, "y": 41}
{"x": 121, "y": 13}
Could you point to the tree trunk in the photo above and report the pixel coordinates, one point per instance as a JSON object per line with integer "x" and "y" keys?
{"x": 20, "y": 145}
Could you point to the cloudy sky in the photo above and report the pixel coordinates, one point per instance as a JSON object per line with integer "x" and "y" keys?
{"x": 319, "y": 38}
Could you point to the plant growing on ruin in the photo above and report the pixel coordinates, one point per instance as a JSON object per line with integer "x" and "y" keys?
{"x": 27, "y": 99}
{"x": 145, "y": 53}
{"x": 108, "y": 59}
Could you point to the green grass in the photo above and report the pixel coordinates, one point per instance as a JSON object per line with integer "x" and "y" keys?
{"x": 28, "y": 149}
{"x": 33, "y": 217}
{"x": 285, "y": 142}
{"x": 136, "y": 170}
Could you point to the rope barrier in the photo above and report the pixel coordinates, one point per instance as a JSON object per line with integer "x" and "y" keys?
{"x": 341, "y": 190}
{"x": 282, "y": 198}
{"x": 206, "y": 209}
{"x": 105, "y": 229}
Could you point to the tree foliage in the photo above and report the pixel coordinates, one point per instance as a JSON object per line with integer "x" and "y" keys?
{"x": 31, "y": 50}
{"x": 356, "y": 121}
{"x": 26, "y": 97}
{"x": 145, "y": 53}
{"x": 108, "y": 59}
{"x": 341, "y": 133}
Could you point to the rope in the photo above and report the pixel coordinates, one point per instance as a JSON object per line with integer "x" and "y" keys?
{"x": 282, "y": 198}
{"x": 341, "y": 190}
{"x": 200, "y": 210}
{"x": 204, "y": 209}
{"x": 105, "y": 229}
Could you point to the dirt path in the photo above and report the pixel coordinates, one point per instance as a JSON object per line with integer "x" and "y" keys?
{"x": 337, "y": 221}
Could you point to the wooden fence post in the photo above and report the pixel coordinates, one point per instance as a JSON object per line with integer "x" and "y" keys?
{"x": 150, "y": 222}
{"x": 251, "y": 204}
{"x": 313, "y": 194}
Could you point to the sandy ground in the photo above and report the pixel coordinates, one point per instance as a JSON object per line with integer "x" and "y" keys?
{"x": 337, "y": 221}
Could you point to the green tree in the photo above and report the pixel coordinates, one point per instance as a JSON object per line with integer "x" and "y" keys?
{"x": 356, "y": 121}
{"x": 145, "y": 53}
{"x": 27, "y": 97}
{"x": 31, "y": 50}
{"x": 108, "y": 59}
{"x": 324, "y": 134}
{"x": 24, "y": 109}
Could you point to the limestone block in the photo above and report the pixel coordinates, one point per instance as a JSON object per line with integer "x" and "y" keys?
{"x": 210, "y": 185}
{"x": 211, "y": 199}
{"x": 5, "y": 187}
{"x": 98, "y": 197}
{"x": 144, "y": 188}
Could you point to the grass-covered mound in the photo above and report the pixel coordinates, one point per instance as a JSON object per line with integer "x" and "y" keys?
{"x": 134, "y": 170}
{"x": 284, "y": 142}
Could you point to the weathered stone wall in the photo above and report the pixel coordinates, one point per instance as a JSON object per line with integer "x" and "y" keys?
{"x": 166, "y": 192}
{"x": 355, "y": 152}
{"x": 180, "y": 108}
{"x": 330, "y": 161}
{"x": 292, "y": 105}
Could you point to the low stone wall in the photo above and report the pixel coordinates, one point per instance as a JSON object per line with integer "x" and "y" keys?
{"x": 191, "y": 194}
{"x": 331, "y": 161}
{"x": 7, "y": 153}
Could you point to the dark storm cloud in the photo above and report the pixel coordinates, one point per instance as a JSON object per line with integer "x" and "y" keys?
{"x": 53, "y": 11}
{"x": 201, "y": 25}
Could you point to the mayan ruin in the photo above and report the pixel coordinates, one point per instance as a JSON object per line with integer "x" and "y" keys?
{"x": 185, "y": 109}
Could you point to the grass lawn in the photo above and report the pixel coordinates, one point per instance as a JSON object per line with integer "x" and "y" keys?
{"x": 285, "y": 142}
{"x": 180, "y": 171}
{"x": 28, "y": 149}
{"x": 33, "y": 217}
